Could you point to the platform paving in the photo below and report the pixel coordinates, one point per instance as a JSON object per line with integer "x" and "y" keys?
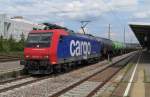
{"x": 147, "y": 89}
{"x": 140, "y": 85}
{"x": 138, "y": 89}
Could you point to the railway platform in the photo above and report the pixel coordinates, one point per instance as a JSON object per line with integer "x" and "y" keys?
{"x": 136, "y": 82}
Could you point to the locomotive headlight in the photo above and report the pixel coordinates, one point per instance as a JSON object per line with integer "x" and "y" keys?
{"x": 46, "y": 57}
{"x": 27, "y": 56}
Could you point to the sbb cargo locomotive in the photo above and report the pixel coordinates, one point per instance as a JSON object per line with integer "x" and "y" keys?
{"x": 55, "y": 47}
{"x": 48, "y": 50}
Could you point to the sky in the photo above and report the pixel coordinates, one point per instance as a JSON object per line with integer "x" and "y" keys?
{"x": 69, "y": 13}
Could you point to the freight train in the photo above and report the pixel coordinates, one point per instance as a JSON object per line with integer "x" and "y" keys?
{"x": 54, "y": 48}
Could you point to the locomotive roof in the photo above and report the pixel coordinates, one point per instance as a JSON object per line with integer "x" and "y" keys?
{"x": 70, "y": 32}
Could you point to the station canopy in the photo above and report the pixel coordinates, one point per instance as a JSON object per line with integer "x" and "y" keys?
{"x": 142, "y": 32}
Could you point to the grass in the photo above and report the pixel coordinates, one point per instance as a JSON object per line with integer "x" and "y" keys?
{"x": 127, "y": 69}
{"x": 13, "y": 54}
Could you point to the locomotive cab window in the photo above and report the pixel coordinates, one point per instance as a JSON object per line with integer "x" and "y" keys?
{"x": 40, "y": 39}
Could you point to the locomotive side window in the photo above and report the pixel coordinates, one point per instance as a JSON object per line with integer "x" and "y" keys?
{"x": 41, "y": 39}
{"x": 61, "y": 38}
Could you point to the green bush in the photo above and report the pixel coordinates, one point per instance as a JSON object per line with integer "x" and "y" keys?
{"x": 11, "y": 45}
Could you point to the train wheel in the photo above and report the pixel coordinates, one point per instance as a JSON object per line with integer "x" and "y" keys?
{"x": 50, "y": 69}
{"x": 25, "y": 71}
{"x": 57, "y": 68}
{"x": 64, "y": 67}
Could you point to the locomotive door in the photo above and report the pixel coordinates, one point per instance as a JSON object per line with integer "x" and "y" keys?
{"x": 62, "y": 51}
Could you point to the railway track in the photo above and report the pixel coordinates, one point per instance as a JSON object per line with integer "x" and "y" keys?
{"x": 62, "y": 83}
{"x": 89, "y": 86}
{"x": 14, "y": 79}
{"x": 22, "y": 81}
{"x": 5, "y": 58}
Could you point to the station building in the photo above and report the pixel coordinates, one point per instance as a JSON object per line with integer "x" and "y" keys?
{"x": 15, "y": 26}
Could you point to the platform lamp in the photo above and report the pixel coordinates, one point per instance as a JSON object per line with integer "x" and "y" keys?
{"x": 145, "y": 41}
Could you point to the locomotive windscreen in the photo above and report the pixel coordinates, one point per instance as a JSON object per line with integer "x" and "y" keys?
{"x": 39, "y": 40}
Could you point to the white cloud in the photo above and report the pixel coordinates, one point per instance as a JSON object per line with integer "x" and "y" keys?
{"x": 57, "y": 11}
{"x": 124, "y": 5}
{"x": 142, "y": 14}
{"x": 72, "y": 9}
{"x": 59, "y": 23}
{"x": 84, "y": 9}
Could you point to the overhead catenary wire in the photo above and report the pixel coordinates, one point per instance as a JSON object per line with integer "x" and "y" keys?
{"x": 115, "y": 15}
{"x": 118, "y": 19}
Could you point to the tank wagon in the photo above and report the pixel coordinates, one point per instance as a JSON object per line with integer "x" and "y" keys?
{"x": 54, "y": 48}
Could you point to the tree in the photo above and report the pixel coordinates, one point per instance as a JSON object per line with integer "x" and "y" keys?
{"x": 12, "y": 43}
{"x": 22, "y": 42}
{"x": 22, "y": 38}
{"x": 1, "y": 43}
